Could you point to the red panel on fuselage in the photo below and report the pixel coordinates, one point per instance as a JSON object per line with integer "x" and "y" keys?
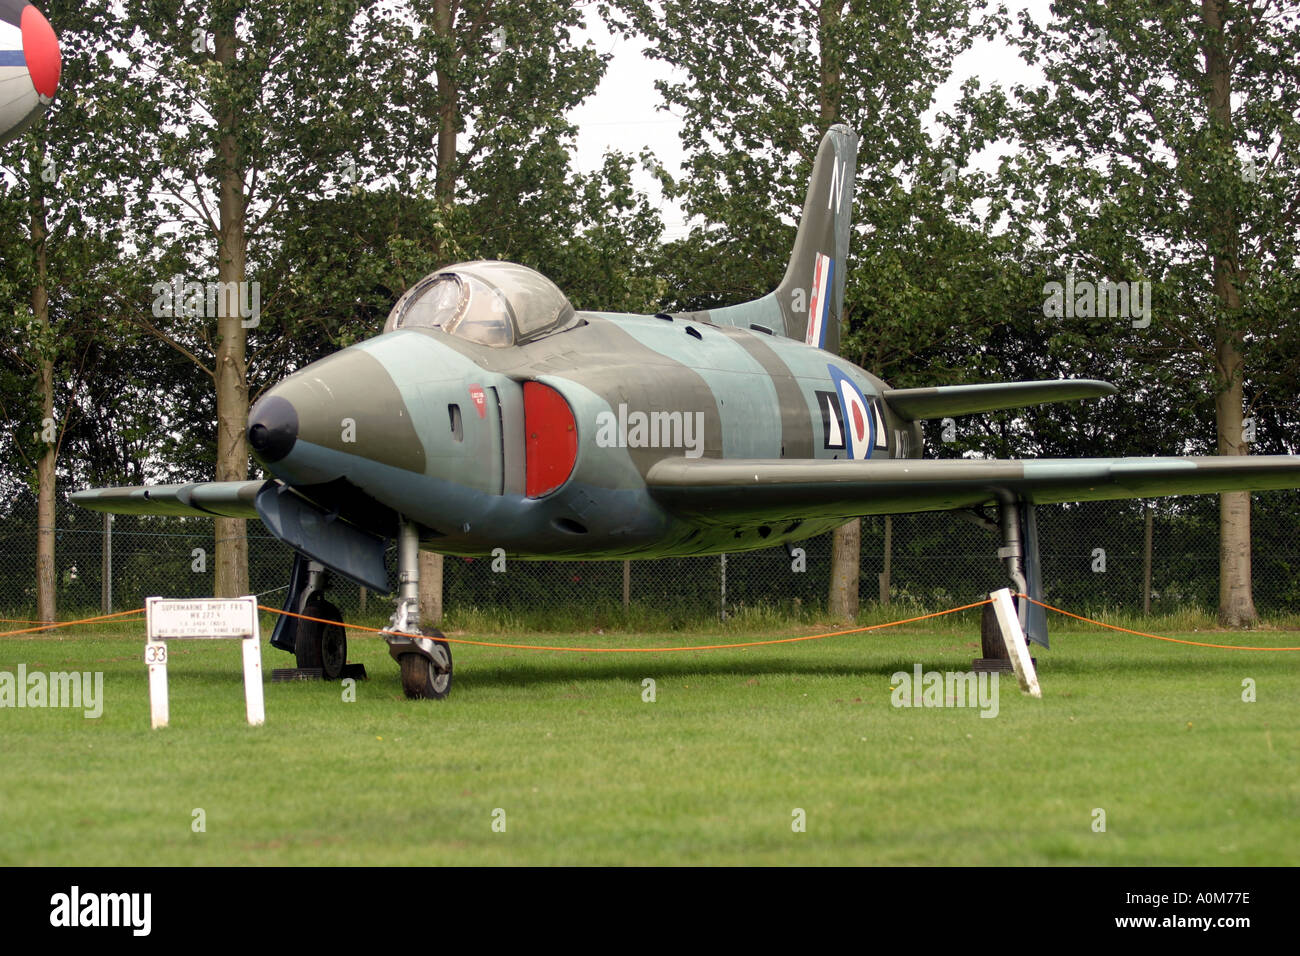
{"x": 550, "y": 439}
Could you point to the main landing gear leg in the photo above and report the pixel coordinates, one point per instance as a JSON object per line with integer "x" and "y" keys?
{"x": 1013, "y": 552}
{"x": 1019, "y": 549}
{"x": 422, "y": 653}
{"x": 316, "y": 638}
{"x": 320, "y": 645}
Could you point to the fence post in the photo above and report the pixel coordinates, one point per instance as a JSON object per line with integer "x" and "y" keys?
{"x": 106, "y": 568}
{"x": 627, "y": 584}
{"x": 1148, "y": 520}
{"x": 723, "y": 605}
{"x": 889, "y": 548}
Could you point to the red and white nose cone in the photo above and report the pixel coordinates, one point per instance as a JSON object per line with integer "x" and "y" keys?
{"x": 41, "y": 50}
{"x": 30, "y": 64}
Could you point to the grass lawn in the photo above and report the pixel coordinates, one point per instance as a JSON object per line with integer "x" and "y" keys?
{"x": 1156, "y": 735}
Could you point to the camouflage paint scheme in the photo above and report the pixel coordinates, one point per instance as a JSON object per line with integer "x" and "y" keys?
{"x": 429, "y": 424}
{"x": 468, "y": 494}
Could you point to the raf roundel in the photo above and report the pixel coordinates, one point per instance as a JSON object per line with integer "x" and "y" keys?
{"x": 859, "y": 424}
{"x": 30, "y": 64}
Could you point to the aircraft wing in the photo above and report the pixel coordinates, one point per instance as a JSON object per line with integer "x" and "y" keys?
{"x": 307, "y": 528}
{"x": 222, "y": 499}
{"x": 720, "y": 491}
{"x": 917, "y": 403}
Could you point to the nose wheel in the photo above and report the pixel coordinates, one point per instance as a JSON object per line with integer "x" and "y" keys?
{"x": 425, "y": 661}
{"x": 427, "y": 678}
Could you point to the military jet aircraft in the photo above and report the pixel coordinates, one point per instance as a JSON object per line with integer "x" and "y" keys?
{"x": 489, "y": 413}
{"x": 30, "y": 64}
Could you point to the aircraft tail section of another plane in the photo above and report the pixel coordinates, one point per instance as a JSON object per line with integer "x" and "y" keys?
{"x": 808, "y": 305}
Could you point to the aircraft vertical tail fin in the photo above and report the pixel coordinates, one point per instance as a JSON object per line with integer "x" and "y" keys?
{"x": 808, "y": 305}
{"x": 811, "y": 295}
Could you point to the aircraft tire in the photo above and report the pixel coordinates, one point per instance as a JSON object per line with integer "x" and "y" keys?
{"x": 322, "y": 645}
{"x": 421, "y": 680}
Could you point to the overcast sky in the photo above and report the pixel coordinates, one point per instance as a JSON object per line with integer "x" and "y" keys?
{"x": 623, "y": 114}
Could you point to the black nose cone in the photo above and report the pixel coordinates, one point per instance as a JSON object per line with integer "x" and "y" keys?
{"x": 272, "y": 428}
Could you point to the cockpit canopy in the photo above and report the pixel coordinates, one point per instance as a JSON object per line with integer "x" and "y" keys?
{"x": 488, "y": 302}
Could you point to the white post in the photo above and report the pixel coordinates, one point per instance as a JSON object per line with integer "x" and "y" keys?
{"x": 1014, "y": 639}
{"x": 155, "y": 655}
{"x": 253, "y": 698}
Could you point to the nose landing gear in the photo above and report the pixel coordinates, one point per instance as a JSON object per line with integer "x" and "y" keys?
{"x": 421, "y": 652}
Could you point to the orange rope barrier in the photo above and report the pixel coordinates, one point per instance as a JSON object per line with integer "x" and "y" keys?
{"x": 86, "y": 620}
{"x": 665, "y": 650}
{"x": 636, "y": 650}
{"x": 1154, "y": 637}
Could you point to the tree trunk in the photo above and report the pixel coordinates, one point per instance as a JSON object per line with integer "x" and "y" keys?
{"x": 231, "y": 369}
{"x": 448, "y": 95}
{"x": 45, "y": 475}
{"x": 829, "y": 14}
{"x": 430, "y": 588}
{"x": 106, "y": 567}
{"x": 845, "y": 568}
{"x": 1236, "y": 599}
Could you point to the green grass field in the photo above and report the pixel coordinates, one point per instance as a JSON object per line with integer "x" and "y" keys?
{"x": 1156, "y": 735}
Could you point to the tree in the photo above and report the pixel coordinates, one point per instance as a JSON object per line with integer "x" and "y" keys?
{"x": 1163, "y": 149}
{"x": 235, "y": 110}
{"x": 489, "y": 177}
{"x": 63, "y": 207}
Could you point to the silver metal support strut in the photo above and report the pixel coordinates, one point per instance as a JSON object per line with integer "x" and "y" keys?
{"x": 406, "y": 618}
{"x": 317, "y": 579}
{"x": 1013, "y": 552}
{"x": 407, "y": 615}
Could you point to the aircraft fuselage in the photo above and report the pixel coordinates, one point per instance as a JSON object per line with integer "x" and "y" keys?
{"x": 542, "y": 449}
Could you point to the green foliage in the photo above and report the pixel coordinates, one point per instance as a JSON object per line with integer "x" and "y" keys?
{"x": 66, "y": 193}
{"x": 760, "y": 86}
{"x": 337, "y": 110}
{"x": 1122, "y": 172}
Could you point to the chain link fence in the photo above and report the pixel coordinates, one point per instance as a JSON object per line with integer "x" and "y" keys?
{"x": 1094, "y": 557}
